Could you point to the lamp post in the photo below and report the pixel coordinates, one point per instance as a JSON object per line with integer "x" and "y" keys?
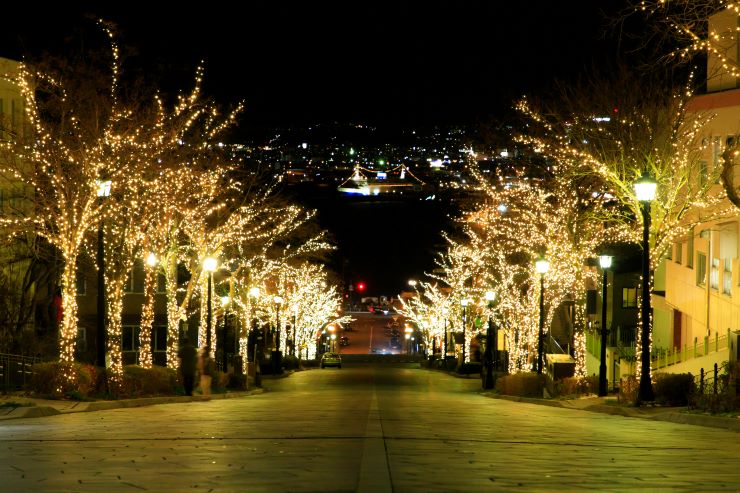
{"x": 278, "y": 301}
{"x": 225, "y": 300}
{"x": 542, "y": 266}
{"x": 645, "y": 191}
{"x": 293, "y": 331}
{"x": 605, "y": 261}
{"x": 464, "y": 305}
{"x": 276, "y": 354}
{"x": 491, "y": 339}
{"x": 444, "y": 344}
{"x": 252, "y": 334}
{"x": 100, "y": 340}
{"x": 209, "y": 265}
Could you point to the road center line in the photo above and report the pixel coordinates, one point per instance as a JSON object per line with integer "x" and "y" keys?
{"x": 375, "y": 473}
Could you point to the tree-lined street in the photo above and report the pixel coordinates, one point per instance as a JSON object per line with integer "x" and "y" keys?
{"x": 362, "y": 428}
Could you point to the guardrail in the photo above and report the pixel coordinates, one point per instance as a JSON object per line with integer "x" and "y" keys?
{"x": 15, "y": 370}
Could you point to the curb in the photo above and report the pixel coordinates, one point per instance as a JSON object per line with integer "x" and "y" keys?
{"x": 42, "y": 411}
{"x": 730, "y": 424}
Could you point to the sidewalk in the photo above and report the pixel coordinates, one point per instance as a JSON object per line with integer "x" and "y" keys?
{"x": 600, "y": 405}
{"x": 29, "y": 407}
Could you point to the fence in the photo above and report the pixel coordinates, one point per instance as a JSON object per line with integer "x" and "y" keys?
{"x": 661, "y": 357}
{"x": 14, "y": 371}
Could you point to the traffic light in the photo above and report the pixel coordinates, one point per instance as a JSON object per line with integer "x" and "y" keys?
{"x": 360, "y": 287}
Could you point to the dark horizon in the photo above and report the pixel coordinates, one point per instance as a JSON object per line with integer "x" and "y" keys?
{"x": 403, "y": 63}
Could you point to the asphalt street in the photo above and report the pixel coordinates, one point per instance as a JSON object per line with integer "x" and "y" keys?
{"x": 368, "y": 428}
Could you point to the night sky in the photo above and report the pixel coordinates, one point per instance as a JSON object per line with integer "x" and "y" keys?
{"x": 400, "y": 62}
{"x": 390, "y": 64}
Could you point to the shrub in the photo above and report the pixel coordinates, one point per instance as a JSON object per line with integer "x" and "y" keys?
{"x": 236, "y": 381}
{"x": 48, "y": 379}
{"x": 628, "y": 388}
{"x": 290, "y": 363}
{"x": 469, "y": 368}
{"x": 674, "y": 389}
{"x": 573, "y": 386}
{"x": 523, "y": 384}
{"x": 144, "y": 382}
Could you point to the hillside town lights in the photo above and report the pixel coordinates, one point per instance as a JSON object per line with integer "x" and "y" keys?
{"x": 103, "y": 192}
{"x": 645, "y": 191}
{"x": 491, "y": 339}
{"x": 541, "y": 266}
{"x": 605, "y": 261}
{"x": 209, "y": 265}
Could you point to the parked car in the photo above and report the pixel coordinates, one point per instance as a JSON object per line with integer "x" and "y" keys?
{"x": 331, "y": 359}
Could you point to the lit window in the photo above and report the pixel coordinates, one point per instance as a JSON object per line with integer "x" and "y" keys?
{"x": 629, "y": 297}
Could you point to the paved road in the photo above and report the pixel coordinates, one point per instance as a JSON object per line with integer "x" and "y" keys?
{"x": 362, "y": 428}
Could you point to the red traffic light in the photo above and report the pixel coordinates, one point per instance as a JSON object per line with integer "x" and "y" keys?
{"x": 360, "y": 286}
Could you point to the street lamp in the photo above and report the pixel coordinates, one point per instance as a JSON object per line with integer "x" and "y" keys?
{"x": 541, "y": 266}
{"x": 491, "y": 339}
{"x": 103, "y": 192}
{"x": 278, "y": 301}
{"x": 645, "y": 191}
{"x": 605, "y": 261}
{"x": 276, "y": 354}
{"x": 225, "y": 300}
{"x": 445, "y": 311}
{"x": 412, "y": 283}
{"x": 209, "y": 265}
{"x": 464, "y": 305}
{"x": 293, "y": 331}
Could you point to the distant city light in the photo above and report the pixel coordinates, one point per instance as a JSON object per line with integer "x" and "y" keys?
{"x": 304, "y": 145}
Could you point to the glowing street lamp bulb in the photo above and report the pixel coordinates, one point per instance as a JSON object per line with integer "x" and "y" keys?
{"x": 151, "y": 260}
{"x": 645, "y": 188}
{"x": 210, "y": 264}
{"x": 103, "y": 188}
{"x": 225, "y": 300}
{"x": 605, "y": 261}
{"x": 490, "y": 296}
{"x": 464, "y": 302}
{"x": 412, "y": 283}
{"x": 254, "y": 292}
{"x": 278, "y": 300}
{"x": 542, "y": 266}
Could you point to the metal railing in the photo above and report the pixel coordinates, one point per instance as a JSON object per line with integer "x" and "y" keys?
{"x": 15, "y": 370}
{"x": 663, "y": 357}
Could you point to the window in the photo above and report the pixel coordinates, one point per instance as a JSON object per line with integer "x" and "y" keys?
{"x": 716, "y": 158}
{"x": 135, "y": 281}
{"x": 130, "y": 337}
{"x": 629, "y": 297}
{"x": 703, "y": 173}
{"x": 669, "y": 253}
{"x": 679, "y": 252}
{"x": 727, "y": 277}
{"x": 714, "y": 274}
{"x": 690, "y": 250}
{"x": 81, "y": 283}
{"x": 701, "y": 269}
{"x": 161, "y": 283}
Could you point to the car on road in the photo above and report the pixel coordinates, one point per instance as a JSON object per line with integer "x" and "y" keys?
{"x": 331, "y": 359}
